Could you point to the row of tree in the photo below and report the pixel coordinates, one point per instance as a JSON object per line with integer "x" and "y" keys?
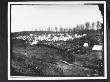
{"x": 86, "y": 26}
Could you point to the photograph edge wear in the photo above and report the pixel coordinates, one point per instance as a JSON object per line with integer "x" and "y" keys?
{"x": 57, "y": 31}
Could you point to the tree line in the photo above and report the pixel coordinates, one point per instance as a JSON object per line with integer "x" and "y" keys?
{"x": 86, "y": 26}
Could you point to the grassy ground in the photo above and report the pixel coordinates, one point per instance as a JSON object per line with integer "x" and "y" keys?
{"x": 69, "y": 59}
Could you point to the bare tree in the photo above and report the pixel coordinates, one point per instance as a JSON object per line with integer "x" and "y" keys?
{"x": 36, "y": 29}
{"x": 87, "y": 25}
{"x": 48, "y": 28}
{"x": 98, "y": 25}
{"x": 93, "y": 25}
{"x": 64, "y": 30}
{"x": 61, "y": 29}
{"x": 56, "y": 29}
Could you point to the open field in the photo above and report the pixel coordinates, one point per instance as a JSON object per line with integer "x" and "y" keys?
{"x": 57, "y": 57}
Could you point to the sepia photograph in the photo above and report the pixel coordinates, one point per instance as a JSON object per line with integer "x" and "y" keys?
{"x": 57, "y": 40}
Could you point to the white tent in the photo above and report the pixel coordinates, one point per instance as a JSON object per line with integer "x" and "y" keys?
{"x": 85, "y": 45}
{"x": 97, "y": 47}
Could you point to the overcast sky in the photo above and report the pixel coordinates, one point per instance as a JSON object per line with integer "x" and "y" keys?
{"x": 29, "y": 17}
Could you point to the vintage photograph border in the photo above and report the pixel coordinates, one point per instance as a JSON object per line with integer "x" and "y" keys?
{"x": 55, "y": 2}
